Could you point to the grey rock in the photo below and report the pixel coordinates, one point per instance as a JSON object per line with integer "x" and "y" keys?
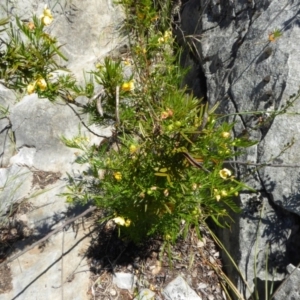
{"x": 233, "y": 62}
{"x": 124, "y": 280}
{"x": 15, "y": 186}
{"x": 39, "y": 125}
{"x": 291, "y": 287}
{"x": 7, "y": 145}
{"x": 178, "y": 289}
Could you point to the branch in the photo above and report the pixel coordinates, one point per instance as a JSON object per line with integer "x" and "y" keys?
{"x": 92, "y": 208}
{"x": 82, "y": 122}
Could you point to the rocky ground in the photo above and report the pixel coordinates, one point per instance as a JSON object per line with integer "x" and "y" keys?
{"x": 121, "y": 270}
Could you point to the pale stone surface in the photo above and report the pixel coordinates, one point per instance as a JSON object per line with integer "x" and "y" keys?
{"x": 7, "y": 146}
{"x": 15, "y": 185}
{"x": 291, "y": 288}
{"x": 38, "y": 124}
{"x": 178, "y": 289}
{"x": 124, "y": 280}
{"x": 40, "y": 273}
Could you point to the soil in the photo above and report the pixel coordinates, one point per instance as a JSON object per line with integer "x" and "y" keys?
{"x": 196, "y": 260}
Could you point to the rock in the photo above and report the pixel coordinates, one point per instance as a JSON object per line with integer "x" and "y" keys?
{"x": 38, "y": 125}
{"x": 291, "y": 287}
{"x": 124, "y": 281}
{"x": 236, "y": 64}
{"x": 145, "y": 294}
{"x": 15, "y": 184}
{"x": 7, "y": 145}
{"x": 178, "y": 289}
{"x": 113, "y": 292}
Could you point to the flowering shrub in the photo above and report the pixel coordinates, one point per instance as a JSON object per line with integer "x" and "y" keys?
{"x": 162, "y": 170}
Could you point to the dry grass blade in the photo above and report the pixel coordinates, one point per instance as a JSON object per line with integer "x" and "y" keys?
{"x": 231, "y": 285}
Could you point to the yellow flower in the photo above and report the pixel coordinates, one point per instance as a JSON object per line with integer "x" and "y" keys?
{"x": 225, "y": 173}
{"x": 166, "y": 192}
{"x": 46, "y": 17}
{"x": 42, "y": 84}
{"x": 132, "y": 148}
{"x": 118, "y": 176}
{"x": 225, "y": 134}
{"x": 224, "y": 193}
{"x": 217, "y": 195}
{"x": 128, "y": 86}
{"x": 127, "y": 223}
{"x": 119, "y": 221}
{"x": 31, "y": 88}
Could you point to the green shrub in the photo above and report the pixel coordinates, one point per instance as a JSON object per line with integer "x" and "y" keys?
{"x": 164, "y": 164}
{"x": 162, "y": 170}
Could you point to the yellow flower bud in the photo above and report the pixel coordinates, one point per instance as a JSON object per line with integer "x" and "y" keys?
{"x": 224, "y": 193}
{"x": 42, "y": 84}
{"x": 118, "y": 176}
{"x": 132, "y": 149}
{"x": 161, "y": 40}
{"x": 225, "y": 134}
{"x": 167, "y": 237}
{"x": 31, "y": 88}
{"x": 194, "y": 186}
{"x": 128, "y": 86}
{"x": 217, "y": 195}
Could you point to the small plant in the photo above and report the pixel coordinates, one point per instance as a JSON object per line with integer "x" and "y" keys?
{"x": 28, "y": 59}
